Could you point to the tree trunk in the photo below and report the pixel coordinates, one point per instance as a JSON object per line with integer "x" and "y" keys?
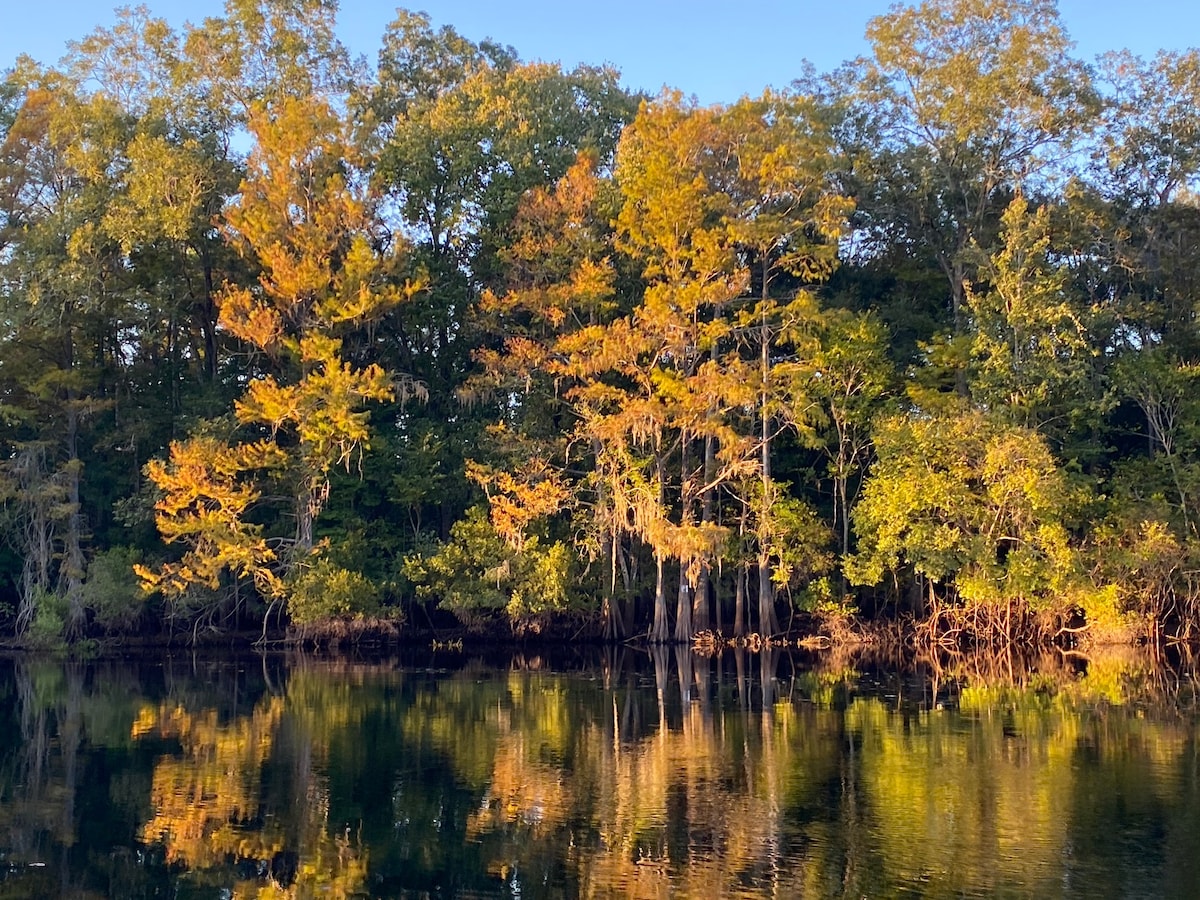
{"x": 683, "y": 605}
{"x": 659, "y": 631}
{"x": 614, "y": 624}
{"x": 35, "y": 494}
{"x": 208, "y": 322}
{"x": 842, "y": 510}
{"x": 766, "y": 594}
{"x": 767, "y": 623}
{"x": 957, "y": 275}
{"x": 739, "y": 602}
{"x": 610, "y": 611}
{"x": 701, "y": 616}
{"x": 306, "y": 504}
{"x": 683, "y": 609}
{"x": 715, "y": 586}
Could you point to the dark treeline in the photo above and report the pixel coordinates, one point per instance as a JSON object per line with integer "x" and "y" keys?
{"x": 293, "y": 342}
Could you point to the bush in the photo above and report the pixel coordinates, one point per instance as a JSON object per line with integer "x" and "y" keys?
{"x": 477, "y": 576}
{"x": 46, "y": 628}
{"x": 112, "y": 590}
{"x": 327, "y": 591}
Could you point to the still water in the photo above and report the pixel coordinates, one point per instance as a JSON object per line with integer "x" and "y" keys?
{"x": 630, "y": 774}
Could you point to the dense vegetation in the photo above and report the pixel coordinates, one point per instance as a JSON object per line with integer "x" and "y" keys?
{"x": 288, "y": 340}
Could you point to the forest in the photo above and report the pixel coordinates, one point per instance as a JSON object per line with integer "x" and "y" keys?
{"x": 294, "y": 344}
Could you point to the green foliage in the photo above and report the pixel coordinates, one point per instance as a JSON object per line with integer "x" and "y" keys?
{"x": 798, "y": 545}
{"x": 478, "y": 575}
{"x": 112, "y": 591}
{"x": 325, "y": 590}
{"x": 1030, "y": 358}
{"x": 1142, "y": 572}
{"x": 47, "y": 627}
{"x": 967, "y": 501}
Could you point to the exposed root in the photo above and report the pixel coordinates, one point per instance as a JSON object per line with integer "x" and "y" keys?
{"x": 985, "y": 626}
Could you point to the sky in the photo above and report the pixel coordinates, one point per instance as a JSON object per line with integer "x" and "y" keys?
{"x": 717, "y": 50}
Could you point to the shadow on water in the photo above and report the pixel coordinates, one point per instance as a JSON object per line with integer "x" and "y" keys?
{"x": 625, "y": 771}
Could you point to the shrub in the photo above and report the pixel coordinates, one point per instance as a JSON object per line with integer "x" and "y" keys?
{"x": 477, "y": 575}
{"x": 46, "y": 628}
{"x": 327, "y": 590}
{"x": 112, "y": 590}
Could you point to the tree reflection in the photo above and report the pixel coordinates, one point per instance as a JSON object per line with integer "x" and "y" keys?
{"x": 657, "y": 773}
{"x": 208, "y": 800}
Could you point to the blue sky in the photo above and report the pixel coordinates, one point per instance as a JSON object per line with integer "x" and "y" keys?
{"x": 715, "y": 49}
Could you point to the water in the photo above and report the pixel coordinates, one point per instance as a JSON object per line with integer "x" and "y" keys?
{"x": 629, "y": 774}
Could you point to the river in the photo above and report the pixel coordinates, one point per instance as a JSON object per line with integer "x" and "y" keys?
{"x": 609, "y": 773}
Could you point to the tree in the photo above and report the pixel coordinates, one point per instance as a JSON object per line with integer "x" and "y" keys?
{"x": 850, "y": 378}
{"x": 976, "y": 506}
{"x": 464, "y": 132}
{"x": 967, "y": 99}
{"x": 561, "y": 279}
{"x": 786, "y": 216}
{"x": 1031, "y": 357}
{"x": 303, "y": 219}
{"x": 478, "y": 573}
{"x": 63, "y": 288}
{"x": 262, "y": 52}
{"x": 673, "y": 220}
{"x": 206, "y": 504}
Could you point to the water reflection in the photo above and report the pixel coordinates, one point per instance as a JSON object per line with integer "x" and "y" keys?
{"x": 636, "y": 774}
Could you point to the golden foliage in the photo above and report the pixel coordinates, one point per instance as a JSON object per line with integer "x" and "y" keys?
{"x": 517, "y": 499}
{"x": 205, "y": 498}
{"x": 301, "y": 218}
